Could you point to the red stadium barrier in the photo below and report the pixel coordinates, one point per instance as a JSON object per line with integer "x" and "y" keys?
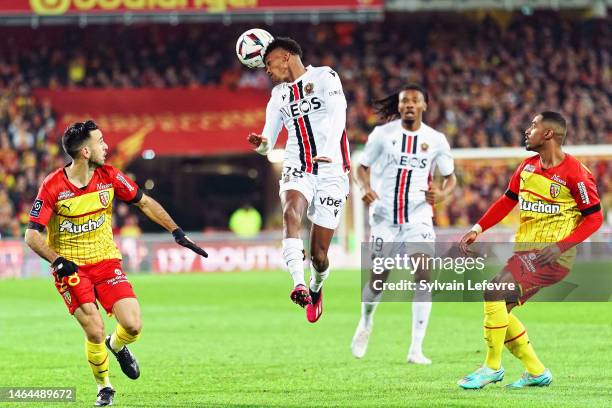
{"x": 177, "y": 121}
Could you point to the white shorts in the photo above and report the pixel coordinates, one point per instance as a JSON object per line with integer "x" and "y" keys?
{"x": 325, "y": 195}
{"x": 414, "y": 237}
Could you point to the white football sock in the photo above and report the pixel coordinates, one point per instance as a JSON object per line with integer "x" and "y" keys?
{"x": 421, "y": 309}
{"x": 294, "y": 259}
{"x": 369, "y": 302}
{"x": 317, "y": 278}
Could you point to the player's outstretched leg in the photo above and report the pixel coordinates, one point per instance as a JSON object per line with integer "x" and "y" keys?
{"x": 361, "y": 338}
{"x": 320, "y": 239}
{"x": 517, "y": 342}
{"x": 127, "y": 312}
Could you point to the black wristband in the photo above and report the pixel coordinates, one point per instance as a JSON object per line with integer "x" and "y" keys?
{"x": 58, "y": 261}
{"x": 178, "y": 233}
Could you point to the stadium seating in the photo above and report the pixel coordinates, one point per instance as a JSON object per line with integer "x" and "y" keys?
{"x": 483, "y": 85}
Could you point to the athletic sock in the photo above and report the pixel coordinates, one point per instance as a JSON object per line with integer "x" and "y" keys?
{"x": 421, "y": 309}
{"x": 369, "y": 303}
{"x": 495, "y": 325}
{"x": 97, "y": 356}
{"x": 517, "y": 341}
{"x": 294, "y": 259}
{"x": 120, "y": 338}
{"x": 317, "y": 278}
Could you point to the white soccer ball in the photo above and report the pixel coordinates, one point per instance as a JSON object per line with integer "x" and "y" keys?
{"x": 251, "y": 46}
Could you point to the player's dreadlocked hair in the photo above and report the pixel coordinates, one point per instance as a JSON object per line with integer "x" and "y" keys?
{"x": 286, "y": 43}
{"x": 76, "y": 135}
{"x": 386, "y": 108}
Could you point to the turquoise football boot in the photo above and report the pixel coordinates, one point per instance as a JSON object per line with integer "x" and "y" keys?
{"x": 481, "y": 377}
{"x": 528, "y": 380}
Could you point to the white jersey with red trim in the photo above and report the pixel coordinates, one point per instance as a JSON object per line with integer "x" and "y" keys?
{"x": 405, "y": 162}
{"x": 313, "y": 110}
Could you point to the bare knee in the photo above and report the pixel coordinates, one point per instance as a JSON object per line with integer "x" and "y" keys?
{"x": 133, "y": 327}
{"x": 92, "y": 324}
{"x": 291, "y": 216}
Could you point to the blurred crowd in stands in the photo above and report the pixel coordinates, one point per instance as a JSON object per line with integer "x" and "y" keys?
{"x": 486, "y": 78}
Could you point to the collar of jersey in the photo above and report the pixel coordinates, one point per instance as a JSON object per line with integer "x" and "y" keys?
{"x": 300, "y": 77}
{"x": 412, "y": 132}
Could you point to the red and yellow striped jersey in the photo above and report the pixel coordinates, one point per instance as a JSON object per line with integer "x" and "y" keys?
{"x": 552, "y": 201}
{"x": 78, "y": 220}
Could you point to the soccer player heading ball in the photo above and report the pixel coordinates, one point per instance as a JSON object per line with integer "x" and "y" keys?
{"x": 559, "y": 208}
{"x": 310, "y": 103}
{"x": 75, "y": 205}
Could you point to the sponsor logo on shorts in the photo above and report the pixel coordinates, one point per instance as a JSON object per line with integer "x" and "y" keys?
{"x": 539, "y": 206}
{"x": 67, "y": 297}
{"x": 555, "y": 189}
{"x": 104, "y": 198}
{"x": 583, "y": 193}
{"x": 330, "y": 202}
{"x": 427, "y": 235}
{"x": 116, "y": 280}
{"x": 90, "y": 225}
{"x": 64, "y": 195}
{"x": 35, "y": 211}
{"x": 124, "y": 182}
{"x": 527, "y": 261}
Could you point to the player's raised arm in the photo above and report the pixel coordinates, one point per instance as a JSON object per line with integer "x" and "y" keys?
{"x": 335, "y": 103}
{"x": 152, "y": 209}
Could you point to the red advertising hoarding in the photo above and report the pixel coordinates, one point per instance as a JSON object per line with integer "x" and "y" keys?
{"x": 177, "y": 121}
{"x": 71, "y": 7}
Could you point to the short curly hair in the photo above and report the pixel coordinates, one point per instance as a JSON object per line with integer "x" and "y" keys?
{"x": 286, "y": 43}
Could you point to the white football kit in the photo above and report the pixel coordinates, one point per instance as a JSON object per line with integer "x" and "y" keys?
{"x": 402, "y": 165}
{"x": 313, "y": 110}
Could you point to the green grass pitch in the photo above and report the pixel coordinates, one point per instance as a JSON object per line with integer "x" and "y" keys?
{"x": 236, "y": 340}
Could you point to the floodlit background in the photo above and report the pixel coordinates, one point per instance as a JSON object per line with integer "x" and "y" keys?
{"x": 162, "y": 80}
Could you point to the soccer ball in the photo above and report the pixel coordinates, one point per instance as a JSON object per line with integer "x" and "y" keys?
{"x": 251, "y": 46}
